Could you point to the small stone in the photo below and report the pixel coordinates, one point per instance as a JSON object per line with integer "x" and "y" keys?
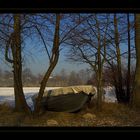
{"x": 89, "y": 116}
{"x": 52, "y": 122}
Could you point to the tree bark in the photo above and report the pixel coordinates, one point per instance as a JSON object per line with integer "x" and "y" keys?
{"x": 136, "y": 92}
{"x": 118, "y": 55}
{"x": 129, "y": 61}
{"x": 99, "y": 72}
{"x": 20, "y": 102}
{"x": 53, "y": 62}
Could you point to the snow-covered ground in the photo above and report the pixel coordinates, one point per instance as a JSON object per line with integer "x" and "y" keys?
{"x": 110, "y": 95}
{"x": 7, "y": 94}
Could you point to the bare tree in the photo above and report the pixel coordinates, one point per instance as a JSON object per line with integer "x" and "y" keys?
{"x": 53, "y": 56}
{"x": 118, "y": 78}
{"x": 121, "y": 82}
{"x": 129, "y": 60}
{"x": 53, "y": 61}
{"x": 14, "y": 43}
{"x": 89, "y": 46}
{"x": 136, "y": 95}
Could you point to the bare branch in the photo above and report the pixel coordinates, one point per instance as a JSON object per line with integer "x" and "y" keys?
{"x": 43, "y": 42}
{"x": 6, "y": 50}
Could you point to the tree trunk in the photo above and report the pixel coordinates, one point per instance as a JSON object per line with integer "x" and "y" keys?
{"x": 53, "y": 62}
{"x": 20, "y": 102}
{"x": 99, "y": 90}
{"x": 99, "y": 73}
{"x": 136, "y": 92}
{"x": 119, "y": 71}
{"x": 129, "y": 61}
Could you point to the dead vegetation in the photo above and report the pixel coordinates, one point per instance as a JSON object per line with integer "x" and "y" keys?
{"x": 112, "y": 114}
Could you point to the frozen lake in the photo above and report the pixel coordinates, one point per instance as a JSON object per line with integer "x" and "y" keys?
{"x": 7, "y": 94}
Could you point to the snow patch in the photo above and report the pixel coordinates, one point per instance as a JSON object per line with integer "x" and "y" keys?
{"x": 7, "y": 94}
{"x": 110, "y": 95}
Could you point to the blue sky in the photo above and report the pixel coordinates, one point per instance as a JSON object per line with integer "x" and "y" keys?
{"x": 37, "y": 59}
{"x": 39, "y": 63}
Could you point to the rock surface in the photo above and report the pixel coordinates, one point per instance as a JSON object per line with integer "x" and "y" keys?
{"x": 89, "y": 116}
{"x": 52, "y": 123}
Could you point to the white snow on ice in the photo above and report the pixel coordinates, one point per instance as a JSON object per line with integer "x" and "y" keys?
{"x": 110, "y": 95}
{"x": 7, "y": 94}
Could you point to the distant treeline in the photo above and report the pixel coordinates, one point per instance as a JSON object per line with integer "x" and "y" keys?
{"x": 62, "y": 78}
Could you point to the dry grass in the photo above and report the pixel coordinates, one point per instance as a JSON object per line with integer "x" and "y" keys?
{"x": 8, "y": 117}
{"x": 111, "y": 115}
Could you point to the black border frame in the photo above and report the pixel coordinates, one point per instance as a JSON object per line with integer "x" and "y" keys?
{"x": 71, "y": 6}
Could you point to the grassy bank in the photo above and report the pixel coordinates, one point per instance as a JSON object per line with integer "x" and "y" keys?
{"x": 112, "y": 114}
